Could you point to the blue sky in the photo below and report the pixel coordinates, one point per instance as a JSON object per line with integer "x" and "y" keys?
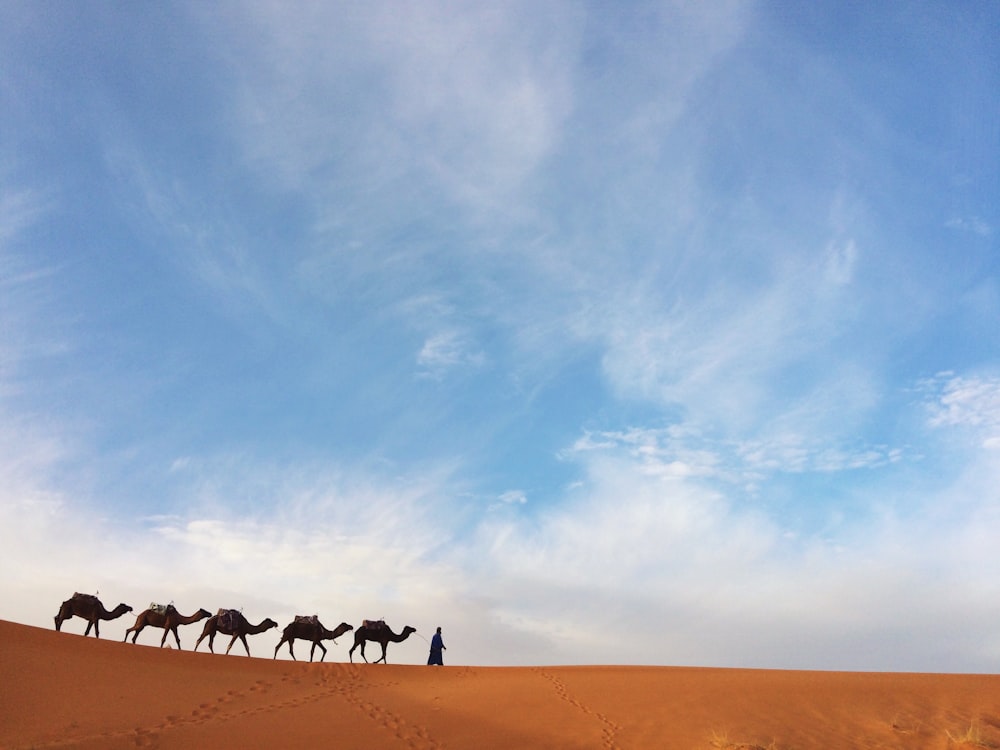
{"x": 548, "y": 323}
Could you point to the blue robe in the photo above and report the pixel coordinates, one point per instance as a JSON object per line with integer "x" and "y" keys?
{"x": 437, "y": 646}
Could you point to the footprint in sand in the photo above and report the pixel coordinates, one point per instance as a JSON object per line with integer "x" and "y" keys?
{"x": 610, "y": 730}
{"x": 144, "y": 737}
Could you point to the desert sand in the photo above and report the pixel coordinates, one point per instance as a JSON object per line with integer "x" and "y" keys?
{"x": 65, "y": 690}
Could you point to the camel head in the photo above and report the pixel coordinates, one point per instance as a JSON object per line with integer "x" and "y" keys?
{"x": 269, "y": 623}
{"x": 123, "y": 608}
{"x": 407, "y": 630}
{"x": 204, "y": 612}
{"x": 341, "y": 629}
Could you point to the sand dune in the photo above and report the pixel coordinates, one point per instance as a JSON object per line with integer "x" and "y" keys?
{"x": 64, "y": 690}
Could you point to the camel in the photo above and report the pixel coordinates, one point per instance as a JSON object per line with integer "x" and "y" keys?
{"x": 378, "y": 631}
{"x": 310, "y": 629}
{"x": 168, "y": 619}
{"x": 232, "y": 622}
{"x": 88, "y": 607}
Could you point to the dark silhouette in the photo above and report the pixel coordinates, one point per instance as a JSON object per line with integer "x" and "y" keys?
{"x": 310, "y": 629}
{"x": 378, "y": 631}
{"x": 232, "y": 622}
{"x": 88, "y": 607}
{"x": 436, "y": 658}
{"x": 168, "y": 619}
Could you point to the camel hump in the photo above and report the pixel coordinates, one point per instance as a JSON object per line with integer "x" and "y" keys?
{"x": 307, "y": 619}
{"x": 373, "y": 624}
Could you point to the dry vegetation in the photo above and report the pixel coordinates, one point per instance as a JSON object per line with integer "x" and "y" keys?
{"x": 721, "y": 741}
{"x": 971, "y": 737}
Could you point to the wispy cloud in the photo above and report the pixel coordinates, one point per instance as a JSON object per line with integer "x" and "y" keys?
{"x": 445, "y": 351}
{"x": 681, "y": 452}
{"x": 972, "y": 224}
{"x": 970, "y": 402}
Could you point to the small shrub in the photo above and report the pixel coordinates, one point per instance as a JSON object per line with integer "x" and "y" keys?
{"x": 971, "y": 737}
{"x": 722, "y": 742}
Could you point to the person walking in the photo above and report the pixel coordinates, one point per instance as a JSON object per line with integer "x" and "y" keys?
{"x": 437, "y": 646}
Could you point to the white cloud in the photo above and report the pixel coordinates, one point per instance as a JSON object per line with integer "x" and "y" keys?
{"x": 679, "y": 452}
{"x": 513, "y": 497}
{"x": 703, "y": 579}
{"x": 700, "y": 577}
{"x": 446, "y": 350}
{"x": 483, "y": 93}
{"x": 972, "y": 224}
{"x": 971, "y": 401}
{"x": 841, "y": 261}
{"x": 471, "y": 98}
{"x": 734, "y": 356}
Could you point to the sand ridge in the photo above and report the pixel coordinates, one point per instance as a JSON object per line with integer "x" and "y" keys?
{"x": 61, "y": 690}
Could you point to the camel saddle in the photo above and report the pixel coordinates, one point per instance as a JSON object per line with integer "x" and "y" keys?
{"x": 228, "y": 618}
{"x": 307, "y": 619}
{"x": 373, "y": 624}
{"x": 160, "y": 609}
{"x": 87, "y": 597}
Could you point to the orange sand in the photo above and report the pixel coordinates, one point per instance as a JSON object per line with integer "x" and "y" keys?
{"x": 64, "y": 690}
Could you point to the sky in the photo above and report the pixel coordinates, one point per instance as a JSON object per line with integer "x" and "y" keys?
{"x": 594, "y": 333}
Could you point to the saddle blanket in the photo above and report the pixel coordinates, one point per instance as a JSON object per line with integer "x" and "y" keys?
{"x": 160, "y": 609}
{"x": 228, "y": 618}
{"x": 373, "y": 624}
{"x": 307, "y": 619}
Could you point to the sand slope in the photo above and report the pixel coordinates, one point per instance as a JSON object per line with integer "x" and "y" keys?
{"x": 64, "y": 690}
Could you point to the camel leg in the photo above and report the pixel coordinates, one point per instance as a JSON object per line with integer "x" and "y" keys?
{"x": 280, "y": 643}
{"x": 384, "y": 645}
{"x": 134, "y": 630}
{"x": 351, "y": 652}
{"x": 207, "y": 630}
{"x": 233, "y": 640}
{"x": 243, "y": 640}
{"x": 323, "y": 648}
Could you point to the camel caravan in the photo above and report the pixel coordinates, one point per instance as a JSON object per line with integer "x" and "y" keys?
{"x": 230, "y": 622}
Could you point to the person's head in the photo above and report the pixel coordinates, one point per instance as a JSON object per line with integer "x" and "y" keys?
{"x": 439, "y": 629}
